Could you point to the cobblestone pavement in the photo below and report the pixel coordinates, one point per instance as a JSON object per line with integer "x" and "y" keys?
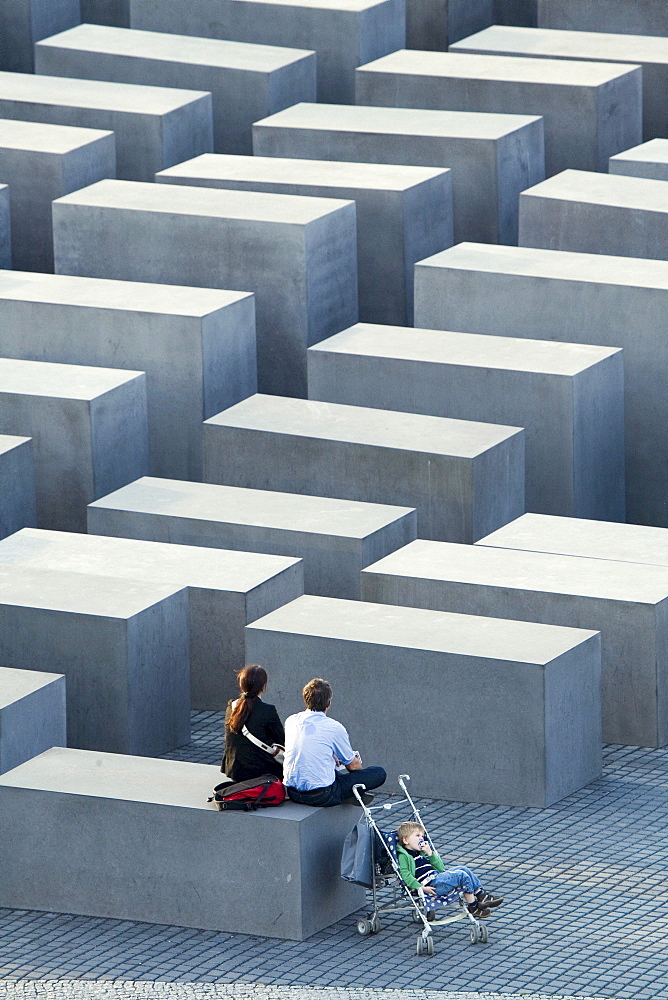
{"x": 585, "y": 915}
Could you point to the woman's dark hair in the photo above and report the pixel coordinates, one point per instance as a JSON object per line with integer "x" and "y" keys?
{"x": 317, "y": 694}
{"x": 252, "y": 681}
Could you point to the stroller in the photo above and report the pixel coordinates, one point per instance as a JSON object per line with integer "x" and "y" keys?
{"x": 386, "y": 881}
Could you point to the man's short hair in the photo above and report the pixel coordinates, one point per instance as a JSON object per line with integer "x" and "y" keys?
{"x": 317, "y": 694}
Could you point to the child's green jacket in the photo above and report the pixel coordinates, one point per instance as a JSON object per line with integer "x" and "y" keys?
{"x": 407, "y": 866}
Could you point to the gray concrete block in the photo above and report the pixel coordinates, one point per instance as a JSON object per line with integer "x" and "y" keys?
{"x": 112, "y": 12}
{"x": 568, "y": 397}
{"x": 155, "y": 127}
{"x": 633, "y": 17}
{"x": 5, "y": 227}
{"x": 627, "y": 603}
{"x": 536, "y": 686}
{"x": 226, "y": 590}
{"x": 122, "y": 645}
{"x": 95, "y": 801}
{"x": 524, "y": 12}
{"x": 298, "y": 255}
{"x": 343, "y": 35}
{"x": 577, "y": 298}
{"x": 492, "y": 157}
{"x": 246, "y": 82}
{"x": 543, "y": 43}
{"x": 434, "y": 24}
{"x": 596, "y": 213}
{"x": 401, "y": 212}
{"x": 459, "y": 475}
{"x": 18, "y": 506}
{"x": 89, "y": 432}
{"x": 650, "y": 160}
{"x": 335, "y": 538}
{"x": 572, "y": 536}
{"x": 24, "y": 22}
{"x": 40, "y": 163}
{"x": 590, "y": 110}
{"x": 196, "y": 346}
{"x": 32, "y": 715}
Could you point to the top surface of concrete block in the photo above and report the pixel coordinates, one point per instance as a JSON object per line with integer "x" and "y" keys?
{"x": 654, "y": 151}
{"x": 554, "y": 43}
{"x": 398, "y": 121}
{"x": 557, "y": 265}
{"x": 501, "y": 68}
{"x": 515, "y": 569}
{"x": 165, "y": 47}
{"x": 208, "y": 202}
{"x": 260, "y": 508}
{"x": 17, "y": 684}
{"x": 43, "y": 138}
{"x": 124, "y": 559}
{"x": 324, "y": 173}
{"x": 124, "y": 296}
{"x": 470, "y": 349}
{"x": 417, "y": 628}
{"x": 10, "y": 441}
{"x": 416, "y": 432}
{"x": 43, "y": 378}
{"x": 634, "y": 543}
{"x": 610, "y": 190}
{"x": 93, "y": 94}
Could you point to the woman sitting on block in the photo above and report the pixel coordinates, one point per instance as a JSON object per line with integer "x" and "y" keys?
{"x": 247, "y": 720}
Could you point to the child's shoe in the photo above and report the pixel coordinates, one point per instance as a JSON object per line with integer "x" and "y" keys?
{"x": 487, "y": 899}
{"x": 479, "y": 912}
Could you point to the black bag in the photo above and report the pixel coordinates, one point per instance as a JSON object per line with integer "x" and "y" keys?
{"x": 256, "y": 793}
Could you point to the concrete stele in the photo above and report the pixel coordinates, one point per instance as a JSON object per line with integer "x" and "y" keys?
{"x": 18, "y": 504}
{"x": 297, "y": 254}
{"x": 32, "y": 715}
{"x": 24, "y": 22}
{"x": 434, "y": 24}
{"x": 458, "y": 474}
{"x": 403, "y": 214}
{"x": 577, "y": 298}
{"x": 335, "y": 538}
{"x": 650, "y": 160}
{"x": 627, "y": 603}
{"x": 492, "y": 156}
{"x": 5, "y": 228}
{"x": 634, "y": 17}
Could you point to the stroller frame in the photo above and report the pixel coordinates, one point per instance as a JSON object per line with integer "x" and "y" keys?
{"x": 403, "y": 898}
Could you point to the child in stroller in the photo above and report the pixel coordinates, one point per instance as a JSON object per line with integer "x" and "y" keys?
{"x": 421, "y": 869}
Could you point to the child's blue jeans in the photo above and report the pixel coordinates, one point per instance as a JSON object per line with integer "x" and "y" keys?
{"x": 456, "y": 878}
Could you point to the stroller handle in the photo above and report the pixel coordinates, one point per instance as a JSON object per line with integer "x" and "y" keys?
{"x": 357, "y": 792}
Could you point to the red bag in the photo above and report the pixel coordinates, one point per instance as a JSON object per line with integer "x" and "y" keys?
{"x": 267, "y": 790}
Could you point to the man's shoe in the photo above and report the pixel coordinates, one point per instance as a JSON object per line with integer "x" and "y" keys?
{"x": 487, "y": 899}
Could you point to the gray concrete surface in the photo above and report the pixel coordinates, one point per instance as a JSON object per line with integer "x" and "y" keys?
{"x": 633, "y": 17}
{"x": 122, "y": 645}
{"x": 5, "y": 228}
{"x": 627, "y": 603}
{"x": 32, "y": 715}
{"x": 24, "y": 22}
{"x": 226, "y": 590}
{"x": 577, "y": 298}
{"x": 112, "y": 12}
{"x": 89, "y": 432}
{"x": 590, "y": 110}
{"x": 93, "y": 801}
{"x": 569, "y": 398}
{"x": 492, "y": 157}
{"x": 523, "y": 12}
{"x": 572, "y": 536}
{"x": 18, "y": 505}
{"x": 246, "y": 82}
{"x": 196, "y": 346}
{"x": 40, "y": 163}
{"x": 297, "y": 254}
{"x": 460, "y": 475}
{"x": 404, "y": 214}
{"x": 342, "y": 34}
{"x": 650, "y": 160}
{"x": 433, "y": 24}
{"x": 537, "y": 688}
{"x": 155, "y": 127}
{"x": 647, "y": 51}
{"x": 335, "y": 538}
{"x": 596, "y": 213}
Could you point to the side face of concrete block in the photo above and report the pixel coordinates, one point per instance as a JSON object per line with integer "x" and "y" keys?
{"x": 5, "y": 228}
{"x": 521, "y": 12}
{"x": 111, "y": 12}
{"x": 24, "y": 22}
{"x": 577, "y": 298}
{"x": 650, "y": 160}
{"x": 94, "y": 799}
{"x": 18, "y": 504}
{"x": 434, "y": 24}
{"x": 32, "y": 715}
{"x": 498, "y": 669}
{"x": 634, "y": 17}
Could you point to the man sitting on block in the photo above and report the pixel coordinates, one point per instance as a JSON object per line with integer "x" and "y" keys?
{"x": 314, "y": 745}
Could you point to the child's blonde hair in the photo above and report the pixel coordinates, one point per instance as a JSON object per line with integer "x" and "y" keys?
{"x": 407, "y": 828}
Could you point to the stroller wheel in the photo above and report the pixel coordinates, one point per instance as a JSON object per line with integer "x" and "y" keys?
{"x": 483, "y": 934}
{"x": 376, "y": 925}
{"x": 429, "y": 946}
{"x": 431, "y": 915}
{"x": 420, "y": 944}
{"x": 415, "y": 916}
{"x": 473, "y": 933}
{"x": 364, "y": 927}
